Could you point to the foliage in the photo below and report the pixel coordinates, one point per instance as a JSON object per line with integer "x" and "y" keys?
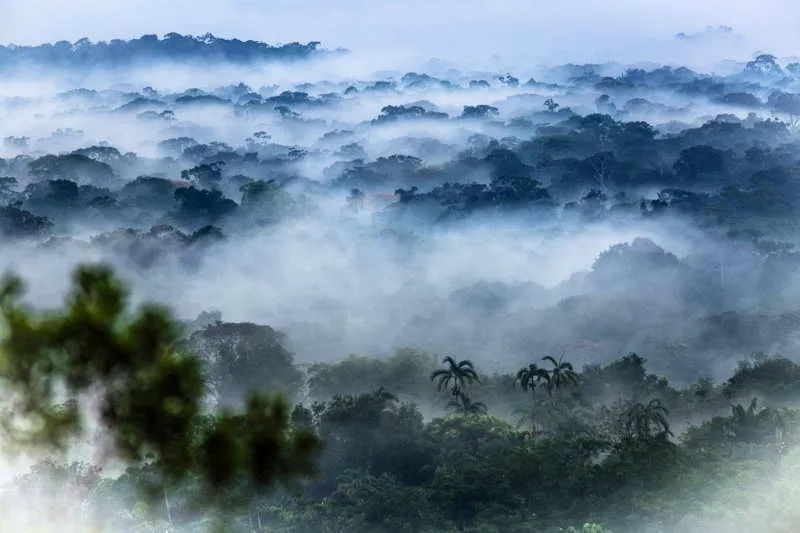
{"x": 57, "y": 366}
{"x": 644, "y": 422}
{"x": 85, "y": 54}
{"x": 455, "y": 375}
{"x": 404, "y": 372}
{"x": 465, "y": 406}
{"x": 244, "y": 357}
{"x": 617, "y": 443}
{"x": 385, "y": 468}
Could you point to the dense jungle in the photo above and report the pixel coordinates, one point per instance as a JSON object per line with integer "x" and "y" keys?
{"x": 245, "y": 293}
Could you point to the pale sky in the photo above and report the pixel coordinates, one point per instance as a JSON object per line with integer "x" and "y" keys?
{"x": 583, "y": 29}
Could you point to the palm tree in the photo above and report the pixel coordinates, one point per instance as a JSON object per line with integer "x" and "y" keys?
{"x": 530, "y": 376}
{"x": 463, "y": 405}
{"x": 645, "y": 422}
{"x": 753, "y": 424}
{"x": 455, "y": 376}
{"x": 562, "y": 375}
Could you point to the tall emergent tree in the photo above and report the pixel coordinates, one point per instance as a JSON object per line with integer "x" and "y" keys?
{"x": 455, "y": 375}
{"x": 239, "y": 357}
{"x": 531, "y": 376}
{"x": 561, "y": 375}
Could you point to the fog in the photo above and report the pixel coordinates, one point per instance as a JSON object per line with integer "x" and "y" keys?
{"x": 575, "y": 30}
{"x": 331, "y": 277}
{"x": 461, "y": 183}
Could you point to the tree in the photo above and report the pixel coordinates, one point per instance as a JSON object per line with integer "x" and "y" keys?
{"x": 560, "y": 376}
{"x": 474, "y": 469}
{"x": 753, "y": 424}
{"x": 18, "y": 223}
{"x": 405, "y": 373}
{"x": 378, "y": 504}
{"x": 455, "y": 376}
{"x": 645, "y": 422}
{"x": 202, "y": 206}
{"x": 764, "y": 65}
{"x": 772, "y": 378}
{"x": 75, "y": 167}
{"x": 479, "y": 111}
{"x": 531, "y": 376}
{"x": 465, "y": 406}
{"x": 551, "y": 105}
{"x": 599, "y": 168}
{"x": 207, "y": 175}
{"x": 84, "y": 54}
{"x": 104, "y": 154}
{"x": 149, "y": 394}
{"x": 241, "y": 357}
{"x": 266, "y": 202}
{"x": 372, "y": 433}
{"x": 391, "y": 113}
{"x": 696, "y": 161}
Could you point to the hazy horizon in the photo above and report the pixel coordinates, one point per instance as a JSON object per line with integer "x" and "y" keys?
{"x": 459, "y": 185}
{"x": 472, "y": 31}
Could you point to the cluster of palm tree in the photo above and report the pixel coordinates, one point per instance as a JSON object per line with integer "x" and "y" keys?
{"x": 639, "y": 421}
{"x": 746, "y": 424}
{"x": 559, "y": 376}
{"x": 456, "y": 376}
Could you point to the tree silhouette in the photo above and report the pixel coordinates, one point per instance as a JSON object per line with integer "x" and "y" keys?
{"x": 551, "y": 105}
{"x": 243, "y": 356}
{"x": 465, "y": 406}
{"x": 645, "y": 422}
{"x": 753, "y": 424}
{"x": 455, "y": 376}
{"x": 531, "y": 376}
{"x": 562, "y": 375}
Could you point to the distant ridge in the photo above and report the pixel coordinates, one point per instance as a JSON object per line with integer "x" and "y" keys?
{"x": 148, "y": 48}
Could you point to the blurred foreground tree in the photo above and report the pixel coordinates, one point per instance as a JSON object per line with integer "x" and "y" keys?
{"x": 94, "y": 354}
